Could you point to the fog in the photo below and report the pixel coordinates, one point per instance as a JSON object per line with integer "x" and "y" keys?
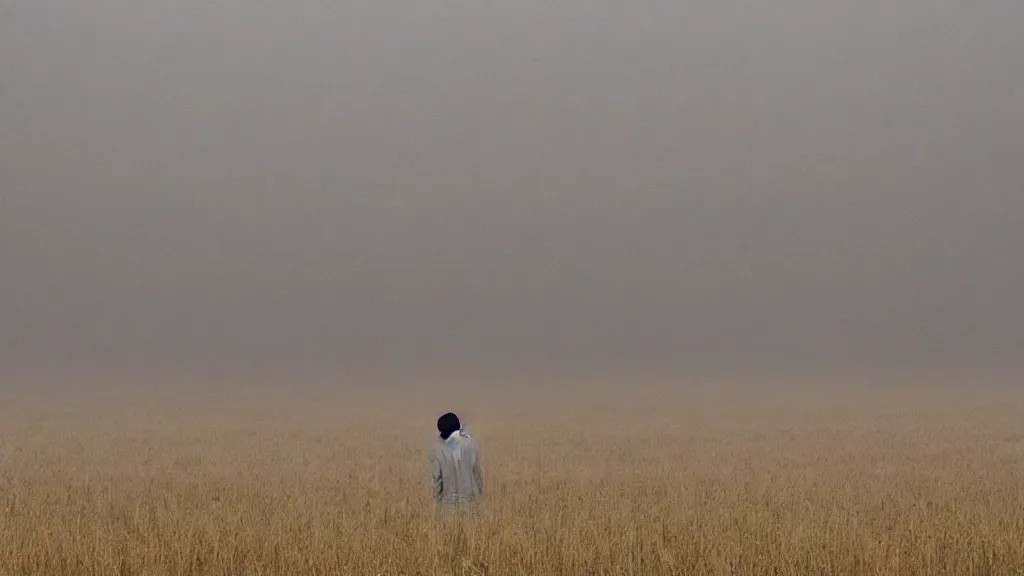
{"x": 228, "y": 184}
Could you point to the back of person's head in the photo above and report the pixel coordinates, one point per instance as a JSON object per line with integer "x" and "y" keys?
{"x": 448, "y": 424}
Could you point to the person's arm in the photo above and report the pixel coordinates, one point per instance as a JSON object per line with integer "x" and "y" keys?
{"x": 478, "y": 477}
{"x": 435, "y": 476}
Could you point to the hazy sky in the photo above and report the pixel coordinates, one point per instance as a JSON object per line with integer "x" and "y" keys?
{"x": 334, "y": 183}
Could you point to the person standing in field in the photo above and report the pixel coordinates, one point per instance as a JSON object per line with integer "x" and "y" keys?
{"x": 455, "y": 466}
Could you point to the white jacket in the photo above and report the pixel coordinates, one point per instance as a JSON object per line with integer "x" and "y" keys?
{"x": 455, "y": 470}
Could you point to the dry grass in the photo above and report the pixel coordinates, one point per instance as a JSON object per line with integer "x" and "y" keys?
{"x": 233, "y": 481}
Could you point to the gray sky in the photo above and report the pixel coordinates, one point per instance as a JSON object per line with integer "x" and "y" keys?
{"x": 521, "y": 184}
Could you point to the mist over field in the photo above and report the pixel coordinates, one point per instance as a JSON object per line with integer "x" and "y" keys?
{"x": 719, "y": 287}
{"x": 241, "y": 186}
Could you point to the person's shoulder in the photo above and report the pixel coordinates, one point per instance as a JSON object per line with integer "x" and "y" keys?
{"x": 436, "y": 448}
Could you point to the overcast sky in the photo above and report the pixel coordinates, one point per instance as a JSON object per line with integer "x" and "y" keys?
{"x": 520, "y": 184}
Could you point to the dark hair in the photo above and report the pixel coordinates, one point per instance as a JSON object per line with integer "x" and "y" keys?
{"x": 448, "y": 424}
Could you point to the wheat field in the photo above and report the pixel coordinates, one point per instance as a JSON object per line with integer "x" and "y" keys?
{"x": 587, "y": 478}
